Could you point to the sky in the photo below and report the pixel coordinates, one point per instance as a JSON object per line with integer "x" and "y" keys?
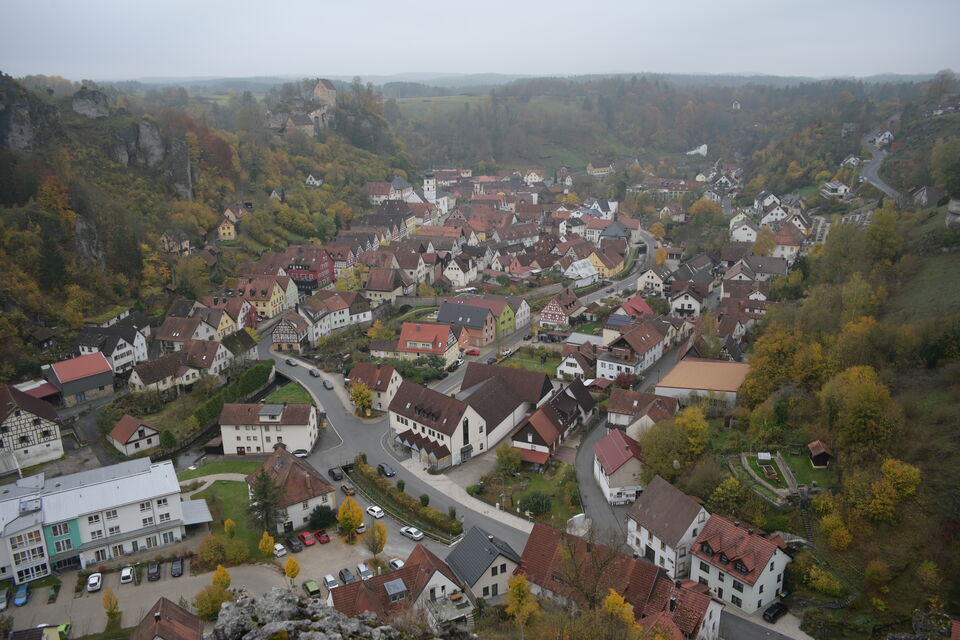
{"x": 132, "y": 39}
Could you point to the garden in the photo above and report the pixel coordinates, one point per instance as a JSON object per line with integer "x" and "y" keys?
{"x": 768, "y": 470}
{"x": 291, "y": 393}
{"x": 534, "y": 359}
{"x": 552, "y": 496}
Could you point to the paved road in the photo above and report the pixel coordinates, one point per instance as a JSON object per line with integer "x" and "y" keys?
{"x": 736, "y": 627}
{"x": 870, "y": 169}
{"x": 629, "y": 281}
{"x": 608, "y": 521}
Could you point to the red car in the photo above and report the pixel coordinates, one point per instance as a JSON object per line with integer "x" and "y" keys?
{"x": 473, "y": 352}
{"x": 321, "y": 536}
{"x": 307, "y": 539}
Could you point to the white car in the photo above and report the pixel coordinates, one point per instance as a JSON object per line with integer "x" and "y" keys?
{"x": 363, "y": 571}
{"x": 94, "y": 582}
{"x": 329, "y": 581}
{"x": 126, "y": 575}
{"x": 396, "y": 563}
{"x": 375, "y": 511}
{"x": 279, "y": 550}
{"x": 362, "y": 527}
{"x": 412, "y": 532}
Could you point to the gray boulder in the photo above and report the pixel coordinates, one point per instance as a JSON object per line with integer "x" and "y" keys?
{"x": 91, "y": 103}
{"x": 149, "y": 143}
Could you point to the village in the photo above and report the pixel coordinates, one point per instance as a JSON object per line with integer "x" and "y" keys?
{"x": 475, "y": 363}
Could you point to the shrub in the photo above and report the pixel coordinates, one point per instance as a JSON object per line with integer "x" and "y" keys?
{"x": 877, "y": 573}
{"x": 236, "y": 551}
{"x": 536, "y": 502}
{"x": 474, "y": 490}
{"x": 207, "y": 603}
{"x": 839, "y": 539}
{"x": 322, "y": 517}
{"x": 211, "y": 552}
{"x": 424, "y": 499}
{"x": 401, "y": 485}
{"x": 825, "y": 582}
{"x": 823, "y": 503}
{"x": 452, "y": 512}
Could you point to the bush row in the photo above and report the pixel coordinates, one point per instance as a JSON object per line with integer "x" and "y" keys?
{"x": 248, "y": 382}
{"x": 408, "y": 504}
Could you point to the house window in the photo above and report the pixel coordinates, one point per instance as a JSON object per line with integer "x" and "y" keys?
{"x": 164, "y": 517}
{"x": 63, "y": 545}
{"x": 737, "y": 601}
{"x": 94, "y": 519}
{"x": 96, "y": 534}
{"x": 779, "y": 577}
{"x": 60, "y": 530}
{"x": 162, "y": 502}
{"x": 144, "y": 506}
{"x": 111, "y": 514}
{"x": 704, "y": 567}
{"x": 720, "y": 576}
{"x": 486, "y": 592}
{"x": 306, "y": 504}
{"x": 703, "y": 580}
{"x": 761, "y": 589}
{"x": 737, "y": 586}
{"x": 113, "y": 531}
{"x": 493, "y": 570}
{"x": 771, "y": 566}
{"x": 148, "y": 522}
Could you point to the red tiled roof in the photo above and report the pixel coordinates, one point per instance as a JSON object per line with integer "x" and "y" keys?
{"x": 738, "y": 545}
{"x": 616, "y": 449}
{"x": 817, "y": 447}
{"x": 42, "y": 391}
{"x": 375, "y": 376}
{"x": 168, "y": 620}
{"x": 297, "y": 479}
{"x": 636, "y": 307}
{"x": 532, "y": 456}
{"x": 437, "y": 335}
{"x": 81, "y": 367}
{"x": 126, "y": 427}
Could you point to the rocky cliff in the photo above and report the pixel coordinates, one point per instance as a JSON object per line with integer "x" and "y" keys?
{"x": 281, "y": 614}
{"x": 25, "y": 121}
{"x": 90, "y": 103}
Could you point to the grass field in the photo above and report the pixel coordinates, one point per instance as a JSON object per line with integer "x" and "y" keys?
{"x": 290, "y": 393}
{"x": 805, "y": 474}
{"x": 532, "y": 363}
{"x": 928, "y": 292}
{"x": 550, "y": 482}
{"x": 220, "y": 466}
{"x": 174, "y": 415}
{"x": 777, "y": 482}
{"x": 229, "y": 499}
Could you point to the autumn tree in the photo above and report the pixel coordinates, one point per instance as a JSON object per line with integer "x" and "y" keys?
{"x": 291, "y": 569}
{"x": 111, "y": 604}
{"x": 660, "y": 256}
{"x": 657, "y": 230}
{"x": 770, "y": 365}
{"x": 617, "y": 609}
{"x": 192, "y": 276}
{"x": 376, "y": 539}
{"x": 266, "y": 544}
{"x": 858, "y": 407}
{"x": 221, "y": 577}
{"x": 904, "y": 477}
{"x": 693, "y": 422}
{"x": 377, "y": 330}
{"x": 709, "y": 342}
{"x": 726, "y": 497}
{"x": 265, "y": 497}
{"x": 665, "y": 448}
{"x": 765, "y": 242}
{"x": 350, "y": 517}
{"x": 208, "y": 601}
{"x": 229, "y": 528}
{"x": 585, "y": 565}
{"x": 704, "y": 207}
{"x": 425, "y": 290}
{"x": 360, "y": 395}
{"x": 521, "y": 602}
{"x": 508, "y": 459}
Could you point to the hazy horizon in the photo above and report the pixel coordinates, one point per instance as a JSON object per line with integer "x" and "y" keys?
{"x": 112, "y": 41}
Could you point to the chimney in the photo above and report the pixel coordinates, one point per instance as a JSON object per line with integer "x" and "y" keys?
{"x": 490, "y": 538}
{"x": 736, "y": 523}
{"x": 677, "y": 584}
{"x": 673, "y": 603}
{"x": 156, "y": 616}
{"x": 750, "y": 532}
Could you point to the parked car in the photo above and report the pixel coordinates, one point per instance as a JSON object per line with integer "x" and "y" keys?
{"x": 610, "y": 290}
{"x": 386, "y": 470}
{"x": 314, "y": 373}
{"x": 453, "y": 367}
{"x": 312, "y": 588}
{"x": 492, "y": 360}
{"x": 176, "y": 567}
{"x": 472, "y": 352}
{"x": 528, "y": 336}
{"x": 396, "y": 563}
{"x": 293, "y": 544}
{"x": 307, "y": 539}
{"x": 153, "y": 571}
{"x": 346, "y": 577}
{"x": 321, "y": 536}
{"x": 347, "y": 489}
{"x": 362, "y": 527}
{"x": 291, "y": 362}
{"x": 327, "y": 385}
{"x": 329, "y": 581}
{"x": 335, "y": 474}
{"x": 774, "y": 612}
{"x": 363, "y": 571}
{"x": 301, "y": 453}
{"x": 443, "y": 375}
{"x": 126, "y": 575}
{"x": 23, "y": 594}
{"x": 4, "y": 599}
{"x": 412, "y": 532}
{"x": 279, "y": 550}
{"x": 375, "y": 511}
{"x": 94, "y": 582}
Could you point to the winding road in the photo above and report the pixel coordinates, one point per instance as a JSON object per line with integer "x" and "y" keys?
{"x": 870, "y": 169}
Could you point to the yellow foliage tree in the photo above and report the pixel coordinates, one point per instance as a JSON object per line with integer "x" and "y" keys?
{"x": 350, "y": 517}
{"x": 221, "y": 577}
{"x": 657, "y": 230}
{"x": 360, "y": 395}
{"x": 618, "y": 609}
{"x": 521, "y": 603}
{"x": 704, "y": 206}
{"x": 111, "y": 603}
{"x": 291, "y": 568}
{"x": 904, "y": 477}
{"x": 765, "y": 242}
{"x": 376, "y": 539}
{"x": 266, "y": 544}
{"x": 377, "y": 330}
{"x": 660, "y": 256}
{"x": 693, "y": 421}
{"x": 229, "y": 528}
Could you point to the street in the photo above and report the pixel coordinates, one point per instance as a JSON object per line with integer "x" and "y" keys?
{"x": 870, "y": 169}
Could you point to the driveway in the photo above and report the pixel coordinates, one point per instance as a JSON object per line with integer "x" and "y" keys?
{"x": 608, "y": 521}
{"x": 739, "y": 626}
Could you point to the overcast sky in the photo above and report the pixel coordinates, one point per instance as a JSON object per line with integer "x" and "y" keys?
{"x": 126, "y": 39}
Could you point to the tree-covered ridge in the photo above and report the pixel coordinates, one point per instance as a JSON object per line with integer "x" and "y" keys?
{"x": 83, "y": 204}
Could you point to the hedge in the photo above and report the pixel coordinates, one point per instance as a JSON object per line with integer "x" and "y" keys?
{"x": 405, "y": 502}
{"x": 248, "y": 382}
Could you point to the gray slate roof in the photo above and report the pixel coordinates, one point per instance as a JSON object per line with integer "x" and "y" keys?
{"x": 664, "y": 510}
{"x": 466, "y": 315}
{"x": 471, "y": 558}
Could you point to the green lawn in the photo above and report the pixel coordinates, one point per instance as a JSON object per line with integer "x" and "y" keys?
{"x": 777, "y": 482}
{"x": 550, "y": 482}
{"x": 806, "y": 474}
{"x": 290, "y": 393}
{"x": 174, "y": 415}
{"x": 229, "y": 499}
{"x": 220, "y": 466}
{"x": 589, "y": 328}
{"x": 925, "y": 294}
{"x": 532, "y": 363}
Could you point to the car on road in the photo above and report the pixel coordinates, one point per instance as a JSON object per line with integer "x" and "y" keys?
{"x": 301, "y": 453}
{"x": 329, "y": 581}
{"x": 126, "y": 575}
{"x": 346, "y": 577}
{"x": 375, "y": 511}
{"x": 176, "y": 567}
{"x": 386, "y": 470}
{"x": 774, "y": 612}
{"x": 327, "y": 385}
{"x": 94, "y": 582}
{"x": 529, "y": 336}
{"x": 293, "y": 544}
{"x": 4, "y": 599}
{"x": 362, "y": 527}
{"x": 347, "y": 489}
{"x": 443, "y": 375}
{"x": 363, "y": 571}
{"x": 472, "y": 352}
{"x": 492, "y": 360}
{"x": 314, "y": 373}
{"x": 412, "y": 532}
{"x": 279, "y": 550}
{"x": 153, "y": 571}
{"x": 291, "y": 362}
{"x": 610, "y": 290}
{"x": 396, "y": 563}
{"x": 453, "y": 367}
{"x": 22, "y": 595}
{"x": 321, "y": 536}
{"x": 312, "y": 588}
{"x": 335, "y": 473}
{"x": 307, "y": 539}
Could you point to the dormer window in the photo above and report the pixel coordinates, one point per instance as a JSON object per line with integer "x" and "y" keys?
{"x": 739, "y": 566}
{"x": 705, "y": 547}
{"x": 723, "y": 558}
